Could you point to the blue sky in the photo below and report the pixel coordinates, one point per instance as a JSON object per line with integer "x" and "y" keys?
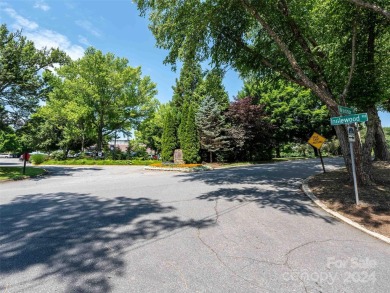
{"x": 108, "y": 25}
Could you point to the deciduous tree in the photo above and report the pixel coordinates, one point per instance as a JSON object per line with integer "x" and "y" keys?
{"x": 22, "y": 86}
{"x": 250, "y": 130}
{"x": 151, "y": 130}
{"x": 115, "y": 95}
{"x": 293, "y": 110}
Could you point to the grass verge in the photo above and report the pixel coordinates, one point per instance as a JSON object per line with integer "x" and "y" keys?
{"x": 15, "y": 173}
{"x": 100, "y": 162}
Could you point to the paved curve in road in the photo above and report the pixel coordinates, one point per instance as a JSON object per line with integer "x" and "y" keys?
{"x": 126, "y": 229}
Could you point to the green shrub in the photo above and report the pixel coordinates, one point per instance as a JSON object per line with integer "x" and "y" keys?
{"x": 38, "y": 158}
{"x": 58, "y": 155}
{"x": 331, "y": 147}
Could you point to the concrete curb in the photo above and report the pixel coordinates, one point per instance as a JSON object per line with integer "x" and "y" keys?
{"x": 187, "y": 170}
{"x": 309, "y": 193}
{"x": 167, "y": 169}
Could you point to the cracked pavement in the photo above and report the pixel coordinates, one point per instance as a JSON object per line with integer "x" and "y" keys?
{"x": 126, "y": 229}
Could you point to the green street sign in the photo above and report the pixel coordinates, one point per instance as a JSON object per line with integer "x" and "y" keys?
{"x": 346, "y": 111}
{"x": 362, "y": 117}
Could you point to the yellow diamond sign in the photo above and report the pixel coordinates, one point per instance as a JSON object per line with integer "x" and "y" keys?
{"x": 316, "y": 140}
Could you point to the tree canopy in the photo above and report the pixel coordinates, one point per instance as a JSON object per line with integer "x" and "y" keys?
{"x": 22, "y": 85}
{"x": 311, "y": 43}
{"x": 104, "y": 92}
{"x": 291, "y": 109}
{"x": 250, "y": 130}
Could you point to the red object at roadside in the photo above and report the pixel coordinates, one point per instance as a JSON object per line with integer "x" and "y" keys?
{"x": 26, "y": 156}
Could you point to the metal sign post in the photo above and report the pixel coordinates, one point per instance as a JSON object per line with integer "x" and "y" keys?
{"x": 349, "y": 119}
{"x": 351, "y": 139}
{"x": 24, "y": 163}
{"x": 317, "y": 141}
{"x": 322, "y": 161}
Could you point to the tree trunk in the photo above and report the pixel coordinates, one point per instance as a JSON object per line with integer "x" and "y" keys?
{"x": 382, "y": 152}
{"x": 319, "y": 87}
{"x": 211, "y": 157}
{"x": 362, "y": 169}
{"x": 100, "y": 136}
{"x": 100, "y": 140}
{"x": 370, "y": 137}
{"x": 277, "y": 149}
{"x": 82, "y": 142}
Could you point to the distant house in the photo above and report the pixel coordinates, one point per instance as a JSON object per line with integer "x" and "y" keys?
{"x": 121, "y": 144}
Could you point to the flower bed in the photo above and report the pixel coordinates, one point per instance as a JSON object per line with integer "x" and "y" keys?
{"x": 172, "y": 165}
{"x": 177, "y": 167}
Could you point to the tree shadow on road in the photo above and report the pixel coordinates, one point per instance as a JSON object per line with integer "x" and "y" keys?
{"x": 79, "y": 238}
{"x": 271, "y": 185}
{"x": 59, "y": 171}
{"x": 276, "y": 173}
{"x": 282, "y": 199}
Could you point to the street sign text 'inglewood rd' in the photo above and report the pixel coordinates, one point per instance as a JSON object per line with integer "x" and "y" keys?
{"x": 362, "y": 117}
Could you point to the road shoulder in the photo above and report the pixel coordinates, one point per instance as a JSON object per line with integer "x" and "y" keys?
{"x": 310, "y": 194}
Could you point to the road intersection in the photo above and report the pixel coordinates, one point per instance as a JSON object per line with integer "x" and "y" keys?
{"x": 126, "y": 229}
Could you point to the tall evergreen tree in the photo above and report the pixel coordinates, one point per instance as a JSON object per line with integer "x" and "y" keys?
{"x": 184, "y": 94}
{"x": 190, "y": 140}
{"x": 181, "y": 131}
{"x": 169, "y": 137}
{"x": 212, "y": 86}
{"x": 190, "y": 79}
{"x": 210, "y": 123}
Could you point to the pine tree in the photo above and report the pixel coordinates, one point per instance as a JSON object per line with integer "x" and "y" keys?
{"x": 210, "y": 123}
{"x": 190, "y": 141}
{"x": 169, "y": 138}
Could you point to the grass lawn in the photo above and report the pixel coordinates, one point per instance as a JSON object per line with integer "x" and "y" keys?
{"x": 15, "y": 173}
{"x": 99, "y": 162}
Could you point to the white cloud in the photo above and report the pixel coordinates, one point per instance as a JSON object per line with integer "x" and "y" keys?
{"x": 51, "y": 39}
{"x": 20, "y": 21}
{"x": 43, "y": 37}
{"x": 83, "y": 40}
{"x": 88, "y": 26}
{"x": 40, "y": 4}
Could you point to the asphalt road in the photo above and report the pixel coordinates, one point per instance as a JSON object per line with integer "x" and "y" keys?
{"x": 126, "y": 229}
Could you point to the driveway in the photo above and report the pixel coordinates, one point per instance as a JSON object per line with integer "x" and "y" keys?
{"x": 126, "y": 229}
